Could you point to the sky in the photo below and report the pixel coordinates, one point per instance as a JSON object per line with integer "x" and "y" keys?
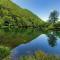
{"x": 41, "y": 8}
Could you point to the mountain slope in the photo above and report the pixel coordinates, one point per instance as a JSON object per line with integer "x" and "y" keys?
{"x": 13, "y": 15}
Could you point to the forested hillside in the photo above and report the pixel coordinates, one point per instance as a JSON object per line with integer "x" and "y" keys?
{"x": 12, "y": 15}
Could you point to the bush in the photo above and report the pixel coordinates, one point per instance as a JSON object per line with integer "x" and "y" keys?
{"x": 4, "y": 51}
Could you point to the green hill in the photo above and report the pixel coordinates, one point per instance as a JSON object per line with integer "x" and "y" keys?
{"x": 12, "y": 15}
{"x": 14, "y": 18}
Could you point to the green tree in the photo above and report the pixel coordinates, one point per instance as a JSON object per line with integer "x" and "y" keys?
{"x": 53, "y": 17}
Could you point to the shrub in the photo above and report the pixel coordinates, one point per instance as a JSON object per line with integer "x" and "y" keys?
{"x": 4, "y": 51}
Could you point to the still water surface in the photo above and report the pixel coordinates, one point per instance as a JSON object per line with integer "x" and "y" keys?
{"x": 48, "y": 43}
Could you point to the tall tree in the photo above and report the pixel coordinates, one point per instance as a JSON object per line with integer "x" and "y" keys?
{"x": 53, "y": 16}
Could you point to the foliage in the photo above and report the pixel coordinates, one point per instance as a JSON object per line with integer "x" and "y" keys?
{"x": 12, "y": 18}
{"x": 4, "y": 51}
{"x": 53, "y": 16}
{"x": 13, "y": 15}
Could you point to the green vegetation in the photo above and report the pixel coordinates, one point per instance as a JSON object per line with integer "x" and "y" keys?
{"x": 13, "y": 18}
{"x": 4, "y": 51}
{"x": 53, "y": 21}
{"x": 53, "y": 17}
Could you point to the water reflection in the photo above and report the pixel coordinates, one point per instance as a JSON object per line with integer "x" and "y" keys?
{"x": 17, "y": 36}
{"x": 52, "y": 39}
{"x": 48, "y": 42}
{"x": 30, "y": 40}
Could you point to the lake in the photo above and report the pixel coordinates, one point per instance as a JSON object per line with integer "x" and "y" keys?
{"x": 46, "y": 42}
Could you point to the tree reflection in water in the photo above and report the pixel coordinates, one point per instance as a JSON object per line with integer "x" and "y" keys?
{"x": 52, "y": 39}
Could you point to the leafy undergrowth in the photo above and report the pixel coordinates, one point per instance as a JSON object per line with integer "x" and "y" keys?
{"x": 4, "y": 51}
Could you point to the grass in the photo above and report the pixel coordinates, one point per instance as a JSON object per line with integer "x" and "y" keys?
{"x": 4, "y": 51}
